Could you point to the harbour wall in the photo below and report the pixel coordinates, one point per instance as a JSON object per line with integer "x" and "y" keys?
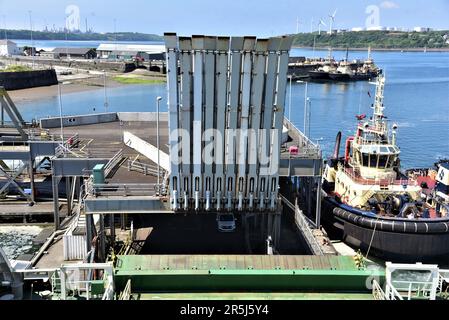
{"x": 78, "y": 120}
{"x": 87, "y": 64}
{"x": 70, "y": 121}
{"x": 28, "y": 79}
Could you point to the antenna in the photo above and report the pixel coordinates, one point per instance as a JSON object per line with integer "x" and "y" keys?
{"x": 297, "y": 25}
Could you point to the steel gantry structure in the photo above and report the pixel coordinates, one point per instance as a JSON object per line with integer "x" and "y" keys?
{"x": 226, "y": 100}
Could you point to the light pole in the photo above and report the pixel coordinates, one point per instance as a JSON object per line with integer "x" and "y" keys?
{"x": 60, "y": 111}
{"x": 106, "y": 104}
{"x": 290, "y": 99}
{"x": 115, "y": 38}
{"x": 306, "y": 98}
{"x": 32, "y": 41}
{"x": 158, "y": 99}
{"x": 308, "y": 112}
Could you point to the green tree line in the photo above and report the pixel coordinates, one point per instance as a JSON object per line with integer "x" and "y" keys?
{"x": 43, "y": 35}
{"x": 375, "y": 39}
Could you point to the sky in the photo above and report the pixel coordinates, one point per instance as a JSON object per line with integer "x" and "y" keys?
{"x": 226, "y": 17}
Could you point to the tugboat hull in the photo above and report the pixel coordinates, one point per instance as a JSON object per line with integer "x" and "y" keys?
{"x": 394, "y": 239}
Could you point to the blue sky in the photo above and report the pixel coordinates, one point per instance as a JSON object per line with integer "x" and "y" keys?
{"x": 231, "y": 17}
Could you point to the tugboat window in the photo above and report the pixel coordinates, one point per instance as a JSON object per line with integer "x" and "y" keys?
{"x": 383, "y": 161}
{"x": 391, "y": 162}
{"x": 365, "y": 159}
{"x": 373, "y": 161}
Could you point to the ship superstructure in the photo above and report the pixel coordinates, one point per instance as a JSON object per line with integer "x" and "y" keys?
{"x": 370, "y": 173}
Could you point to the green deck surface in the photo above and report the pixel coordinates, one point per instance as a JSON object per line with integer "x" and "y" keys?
{"x": 243, "y": 273}
{"x": 254, "y": 296}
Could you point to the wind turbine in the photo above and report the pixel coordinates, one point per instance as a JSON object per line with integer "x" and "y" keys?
{"x": 320, "y": 23}
{"x": 297, "y": 25}
{"x": 332, "y": 20}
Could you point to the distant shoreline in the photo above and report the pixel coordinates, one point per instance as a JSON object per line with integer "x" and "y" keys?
{"x": 376, "y": 49}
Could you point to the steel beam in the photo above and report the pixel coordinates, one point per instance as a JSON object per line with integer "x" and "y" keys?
{"x": 268, "y": 105}
{"x": 55, "y": 183}
{"x": 198, "y": 125}
{"x": 210, "y": 45}
{"x": 221, "y": 83}
{"x": 80, "y": 167}
{"x": 242, "y": 138}
{"x": 233, "y": 112}
{"x": 185, "y": 58}
{"x": 171, "y": 44}
{"x": 257, "y": 89}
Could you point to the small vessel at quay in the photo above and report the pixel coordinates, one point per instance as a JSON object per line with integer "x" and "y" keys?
{"x": 376, "y": 207}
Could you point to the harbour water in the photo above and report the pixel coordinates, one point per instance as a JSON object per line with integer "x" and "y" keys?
{"x": 18, "y": 240}
{"x": 416, "y": 98}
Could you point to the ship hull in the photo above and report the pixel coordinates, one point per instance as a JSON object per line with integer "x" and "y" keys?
{"x": 319, "y": 75}
{"x": 354, "y": 77}
{"x": 395, "y": 240}
{"x": 340, "y": 76}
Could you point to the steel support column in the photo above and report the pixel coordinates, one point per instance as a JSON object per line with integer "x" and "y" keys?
{"x": 112, "y": 227}
{"x": 55, "y": 183}
{"x": 318, "y": 203}
{"x": 89, "y": 232}
{"x": 102, "y": 239}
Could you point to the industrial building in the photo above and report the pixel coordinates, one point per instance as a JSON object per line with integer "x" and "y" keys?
{"x": 130, "y": 51}
{"x": 70, "y": 53}
{"x": 8, "y": 48}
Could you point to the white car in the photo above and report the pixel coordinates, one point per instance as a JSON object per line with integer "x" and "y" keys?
{"x": 226, "y": 222}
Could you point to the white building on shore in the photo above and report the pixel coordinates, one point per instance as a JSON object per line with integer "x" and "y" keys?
{"x": 112, "y": 50}
{"x": 8, "y": 48}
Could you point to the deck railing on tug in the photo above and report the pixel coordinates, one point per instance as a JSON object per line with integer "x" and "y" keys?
{"x": 382, "y": 182}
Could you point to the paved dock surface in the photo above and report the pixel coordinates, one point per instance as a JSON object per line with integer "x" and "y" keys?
{"x": 104, "y": 140}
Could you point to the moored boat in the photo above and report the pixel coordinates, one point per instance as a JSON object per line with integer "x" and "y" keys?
{"x": 377, "y": 208}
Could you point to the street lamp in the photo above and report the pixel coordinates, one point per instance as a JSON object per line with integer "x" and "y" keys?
{"x": 158, "y": 99}
{"x": 31, "y": 35}
{"x": 106, "y": 104}
{"x": 306, "y": 102}
{"x": 307, "y": 112}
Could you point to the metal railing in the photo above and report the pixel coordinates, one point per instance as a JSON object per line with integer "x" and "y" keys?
{"x": 306, "y": 147}
{"x": 122, "y": 189}
{"x": 126, "y": 293}
{"x": 378, "y": 293}
{"x": 146, "y": 169}
{"x": 305, "y": 226}
{"x": 390, "y": 294}
{"x": 80, "y": 279}
{"x": 115, "y": 160}
{"x": 413, "y": 289}
{"x": 65, "y": 148}
{"x": 383, "y": 182}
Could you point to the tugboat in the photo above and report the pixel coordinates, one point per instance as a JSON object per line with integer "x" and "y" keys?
{"x": 375, "y": 207}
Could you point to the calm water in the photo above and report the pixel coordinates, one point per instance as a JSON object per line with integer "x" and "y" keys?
{"x": 416, "y": 98}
